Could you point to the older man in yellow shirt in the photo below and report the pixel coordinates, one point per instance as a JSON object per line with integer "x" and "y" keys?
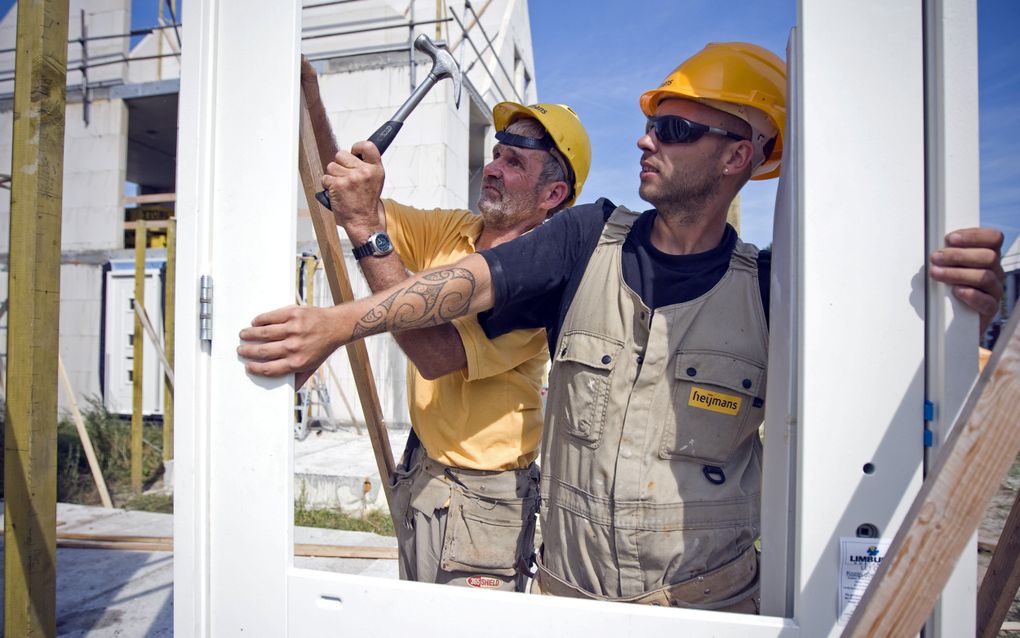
{"x": 466, "y": 489}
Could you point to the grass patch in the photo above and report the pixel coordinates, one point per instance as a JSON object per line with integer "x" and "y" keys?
{"x": 375, "y": 521}
{"x": 162, "y": 503}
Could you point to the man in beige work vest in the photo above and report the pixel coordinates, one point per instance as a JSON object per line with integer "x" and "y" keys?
{"x": 466, "y": 492}
{"x": 651, "y": 463}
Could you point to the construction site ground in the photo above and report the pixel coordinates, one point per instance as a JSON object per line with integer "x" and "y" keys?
{"x": 988, "y": 534}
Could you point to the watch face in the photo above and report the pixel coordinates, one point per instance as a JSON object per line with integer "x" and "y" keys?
{"x": 383, "y": 243}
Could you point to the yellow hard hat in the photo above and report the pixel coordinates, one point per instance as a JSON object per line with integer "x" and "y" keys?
{"x": 732, "y": 76}
{"x": 566, "y": 131}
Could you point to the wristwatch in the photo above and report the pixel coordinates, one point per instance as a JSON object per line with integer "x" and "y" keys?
{"x": 378, "y": 244}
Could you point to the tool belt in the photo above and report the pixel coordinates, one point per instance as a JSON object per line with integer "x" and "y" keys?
{"x": 732, "y": 587}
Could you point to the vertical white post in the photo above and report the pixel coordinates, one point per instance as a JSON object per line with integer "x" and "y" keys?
{"x": 951, "y": 131}
{"x": 860, "y": 387}
{"x": 236, "y": 195}
{"x": 779, "y": 478}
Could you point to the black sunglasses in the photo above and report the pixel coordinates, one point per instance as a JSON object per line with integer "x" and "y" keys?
{"x": 673, "y": 129}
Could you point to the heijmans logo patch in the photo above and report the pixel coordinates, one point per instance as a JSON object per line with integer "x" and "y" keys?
{"x": 705, "y": 399}
{"x": 484, "y": 582}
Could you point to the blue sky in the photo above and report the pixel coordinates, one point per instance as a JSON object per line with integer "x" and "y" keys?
{"x": 614, "y": 53}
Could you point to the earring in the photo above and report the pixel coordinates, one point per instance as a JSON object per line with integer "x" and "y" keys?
{"x": 725, "y": 171}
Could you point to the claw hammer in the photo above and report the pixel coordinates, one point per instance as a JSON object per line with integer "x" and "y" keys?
{"x": 443, "y": 66}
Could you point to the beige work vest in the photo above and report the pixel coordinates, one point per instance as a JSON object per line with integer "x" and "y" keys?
{"x": 644, "y": 409}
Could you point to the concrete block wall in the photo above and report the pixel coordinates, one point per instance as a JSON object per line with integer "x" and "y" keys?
{"x": 94, "y": 163}
{"x": 80, "y": 317}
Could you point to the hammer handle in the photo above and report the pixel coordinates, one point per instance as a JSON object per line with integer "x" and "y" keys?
{"x": 381, "y": 138}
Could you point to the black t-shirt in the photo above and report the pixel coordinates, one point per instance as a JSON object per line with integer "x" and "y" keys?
{"x": 535, "y": 277}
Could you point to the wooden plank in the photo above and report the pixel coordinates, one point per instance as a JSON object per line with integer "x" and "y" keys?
{"x": 980, "y": 449}
{"x": 1001, "y": 581}
{"x": 345, "y": 551}
{"x": 153, "y": 198}
{"x": 170, "y": 305}
{"x": 113, "y": 538}
{"x": 30, "y": 435}
{"x": 137, "y": 349}
{"x": 310, "y": 168}
{"x": 83, "y": 436}
{"x": 134, "y": 547}
{"x": 166, "y": 544}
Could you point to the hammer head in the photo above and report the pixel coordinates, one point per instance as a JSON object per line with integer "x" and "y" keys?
{"x": 443, "y": 64}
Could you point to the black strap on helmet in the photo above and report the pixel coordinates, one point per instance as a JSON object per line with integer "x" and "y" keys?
{"x": 544, "y": 143}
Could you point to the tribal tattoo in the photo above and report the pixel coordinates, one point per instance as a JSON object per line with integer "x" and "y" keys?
{"x": 436, "y": 298}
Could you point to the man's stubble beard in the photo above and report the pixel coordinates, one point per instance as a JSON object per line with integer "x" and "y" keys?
{"x": 682, "y": 195}
{"x": 508, "y": 209}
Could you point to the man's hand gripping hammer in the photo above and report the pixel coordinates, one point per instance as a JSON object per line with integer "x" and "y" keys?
{"x": 443, "y": 66}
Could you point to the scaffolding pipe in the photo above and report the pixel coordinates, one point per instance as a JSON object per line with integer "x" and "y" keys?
{"x": 400, "y": 25}
{"x": 110, "y": 36}
{"x": 488, "y": 43}
{"x": 328, "y": 4}
{"x": 485, "y": 67}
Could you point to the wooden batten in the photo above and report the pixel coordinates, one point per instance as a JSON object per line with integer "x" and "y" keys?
{"x": 310, "y": 169}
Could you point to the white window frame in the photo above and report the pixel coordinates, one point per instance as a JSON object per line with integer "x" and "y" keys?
{"x": 848, "y": 356}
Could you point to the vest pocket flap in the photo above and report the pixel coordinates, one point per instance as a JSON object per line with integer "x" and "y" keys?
{"x": 589, "y": 349}
{"x": 721, "y": 370}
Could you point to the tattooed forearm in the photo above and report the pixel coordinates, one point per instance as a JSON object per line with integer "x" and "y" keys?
{"x": 437, "y": 297}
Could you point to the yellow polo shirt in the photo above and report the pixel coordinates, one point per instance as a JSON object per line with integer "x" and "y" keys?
{"x": 487, "y": 417}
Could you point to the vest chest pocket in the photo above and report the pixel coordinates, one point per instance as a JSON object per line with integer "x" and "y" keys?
{"x": 583, "y": 377}
{"x": 717, "y": 402}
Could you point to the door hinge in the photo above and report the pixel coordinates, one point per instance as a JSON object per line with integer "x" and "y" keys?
{"x": 205, "y": 299}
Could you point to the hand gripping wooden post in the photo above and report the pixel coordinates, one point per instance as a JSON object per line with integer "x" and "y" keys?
{"x": 980, "y": 449}
{"x": 310, "y": 168}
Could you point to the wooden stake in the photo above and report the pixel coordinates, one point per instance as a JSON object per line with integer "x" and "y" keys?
{"x": 83, "y": 436}
{"x": 138, "y": 343}
{"x": 30, "y": 424}
{"x": 310, "y": 168}
{"x": 980, "y": 449}
{"x": 1001, "y": 581}
{"x": 168, "y": 336}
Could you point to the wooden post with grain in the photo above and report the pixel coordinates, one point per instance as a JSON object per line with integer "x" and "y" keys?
{"x": 168, "y": 336}
{"x": 137, "y": 350}
{"x": 30, "y": 423}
